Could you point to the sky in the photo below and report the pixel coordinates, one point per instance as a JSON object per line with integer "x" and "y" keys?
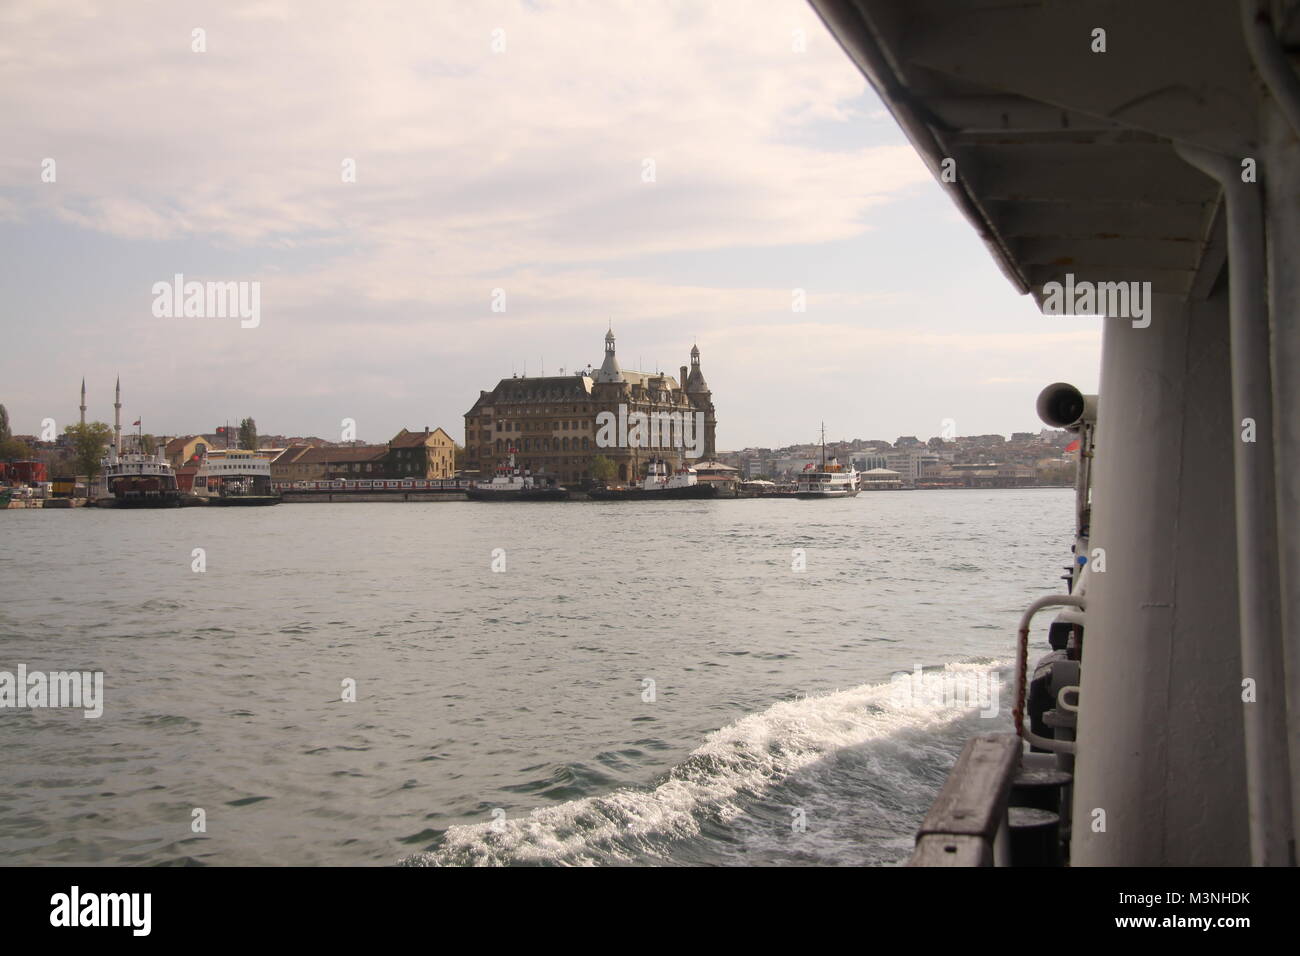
{"x": 526, "y": 176}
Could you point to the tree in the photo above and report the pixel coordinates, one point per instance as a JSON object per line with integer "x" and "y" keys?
{"x": 87, "y": 443}
{"x": 458, "y": 456}
{"x": 602, "y": 468}
{"x": 248, "y": 434}
{"x": 12, "y": 449}
{"x": 148, "y": 444}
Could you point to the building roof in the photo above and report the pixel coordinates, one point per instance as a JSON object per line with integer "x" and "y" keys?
{"x": 341, "y": 455}
{"x": 409, "y": 439}
{"x": 557, "y": 388}
{"x": 291, "y": 454}
{"x": 646, "y": 379}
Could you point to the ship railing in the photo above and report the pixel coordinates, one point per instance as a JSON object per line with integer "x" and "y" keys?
{"x": 967, "y": 824}
{"x": 1000, "y": 806}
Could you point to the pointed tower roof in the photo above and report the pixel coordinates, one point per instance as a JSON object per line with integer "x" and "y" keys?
{"x": 695, "y": 381}
{"x": 609, "y": 370}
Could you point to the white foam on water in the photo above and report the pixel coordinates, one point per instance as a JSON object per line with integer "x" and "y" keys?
{"x": 738, "y": 761}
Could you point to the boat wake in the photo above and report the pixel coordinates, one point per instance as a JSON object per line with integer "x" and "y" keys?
{"x": 840, "y": 778}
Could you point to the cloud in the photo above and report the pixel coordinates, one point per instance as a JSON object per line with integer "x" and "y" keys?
{"x": 523, "y": 170}
{"x": 468, "y": 160}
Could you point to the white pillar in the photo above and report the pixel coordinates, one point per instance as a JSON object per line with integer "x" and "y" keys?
{"x": 1281, "y": 175}
{"x": 1160, "y": 724}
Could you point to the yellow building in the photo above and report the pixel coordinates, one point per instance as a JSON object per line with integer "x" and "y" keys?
{"x": 426, "y": 454}
{"x": 188, "y": 448}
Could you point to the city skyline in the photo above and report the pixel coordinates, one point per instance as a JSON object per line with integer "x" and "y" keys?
{"x": 295, "y": 433}
{"x": 690, "y": 191}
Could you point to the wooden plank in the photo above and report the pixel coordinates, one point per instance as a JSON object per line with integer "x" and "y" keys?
{"x": 939, "y": 849}
{"x": 973, "y": 801}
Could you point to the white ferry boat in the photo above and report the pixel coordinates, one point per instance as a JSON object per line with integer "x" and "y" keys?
{"x": 234, "y": 478}
{"x": 830, "y": 480}
{"x": 659, "y": 483}
{"x": 137, "y": 480}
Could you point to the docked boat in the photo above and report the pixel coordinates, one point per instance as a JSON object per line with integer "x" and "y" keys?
{"x": 512, "y": 483}
{"x": 234, "y": 478}
{"x": 659, "y": 484}
{"x": 138, "y": 480}
{"x": 829, "y": 480}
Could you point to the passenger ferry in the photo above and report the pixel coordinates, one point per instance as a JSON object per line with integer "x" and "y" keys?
{"x": 234, "y": 478}
{"x": 659, "y": 484}
{"x": 137, "y": 480}
{"x": 831, "y": 480}
{"x": 511, "y": 483}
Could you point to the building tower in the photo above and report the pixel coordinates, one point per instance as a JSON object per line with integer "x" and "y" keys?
{"x": 697, "y": 390}
{"x": 610, "y": 373}
{"x": 609, "y": 392}
{"x": 83, "y": 400}
{"x": 117, "y": 418}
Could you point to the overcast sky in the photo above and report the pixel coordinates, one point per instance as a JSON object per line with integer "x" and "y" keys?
{"x": 523, "y": 170}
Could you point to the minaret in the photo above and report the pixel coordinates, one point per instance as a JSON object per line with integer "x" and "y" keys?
{"x": 117, "y": 418}
{"x": 83, "y": 400}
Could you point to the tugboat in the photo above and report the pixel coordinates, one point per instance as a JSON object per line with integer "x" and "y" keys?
{"x": 659, "y": 485}
{"x": 832, "y": 480}
{"x": 235, "y": 478}
{"x": 511, "y": 483}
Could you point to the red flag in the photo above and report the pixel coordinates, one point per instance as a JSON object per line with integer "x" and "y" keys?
{"x": 1073, "y": 446}
{"x": 136, "y": 422}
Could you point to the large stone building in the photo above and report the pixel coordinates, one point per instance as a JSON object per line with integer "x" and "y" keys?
{"x": 558, "y": 424}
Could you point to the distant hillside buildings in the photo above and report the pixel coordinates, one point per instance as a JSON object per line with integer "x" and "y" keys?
{"x": 977, "y": 461}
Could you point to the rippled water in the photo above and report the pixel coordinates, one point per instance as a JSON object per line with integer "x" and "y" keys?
{"x": 501, "y": 716}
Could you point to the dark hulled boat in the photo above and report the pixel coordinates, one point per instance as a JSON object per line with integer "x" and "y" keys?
{"x": 511, "y": 483}
{"x": 659, "y": 485}
{"x": 139, "y": 481}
